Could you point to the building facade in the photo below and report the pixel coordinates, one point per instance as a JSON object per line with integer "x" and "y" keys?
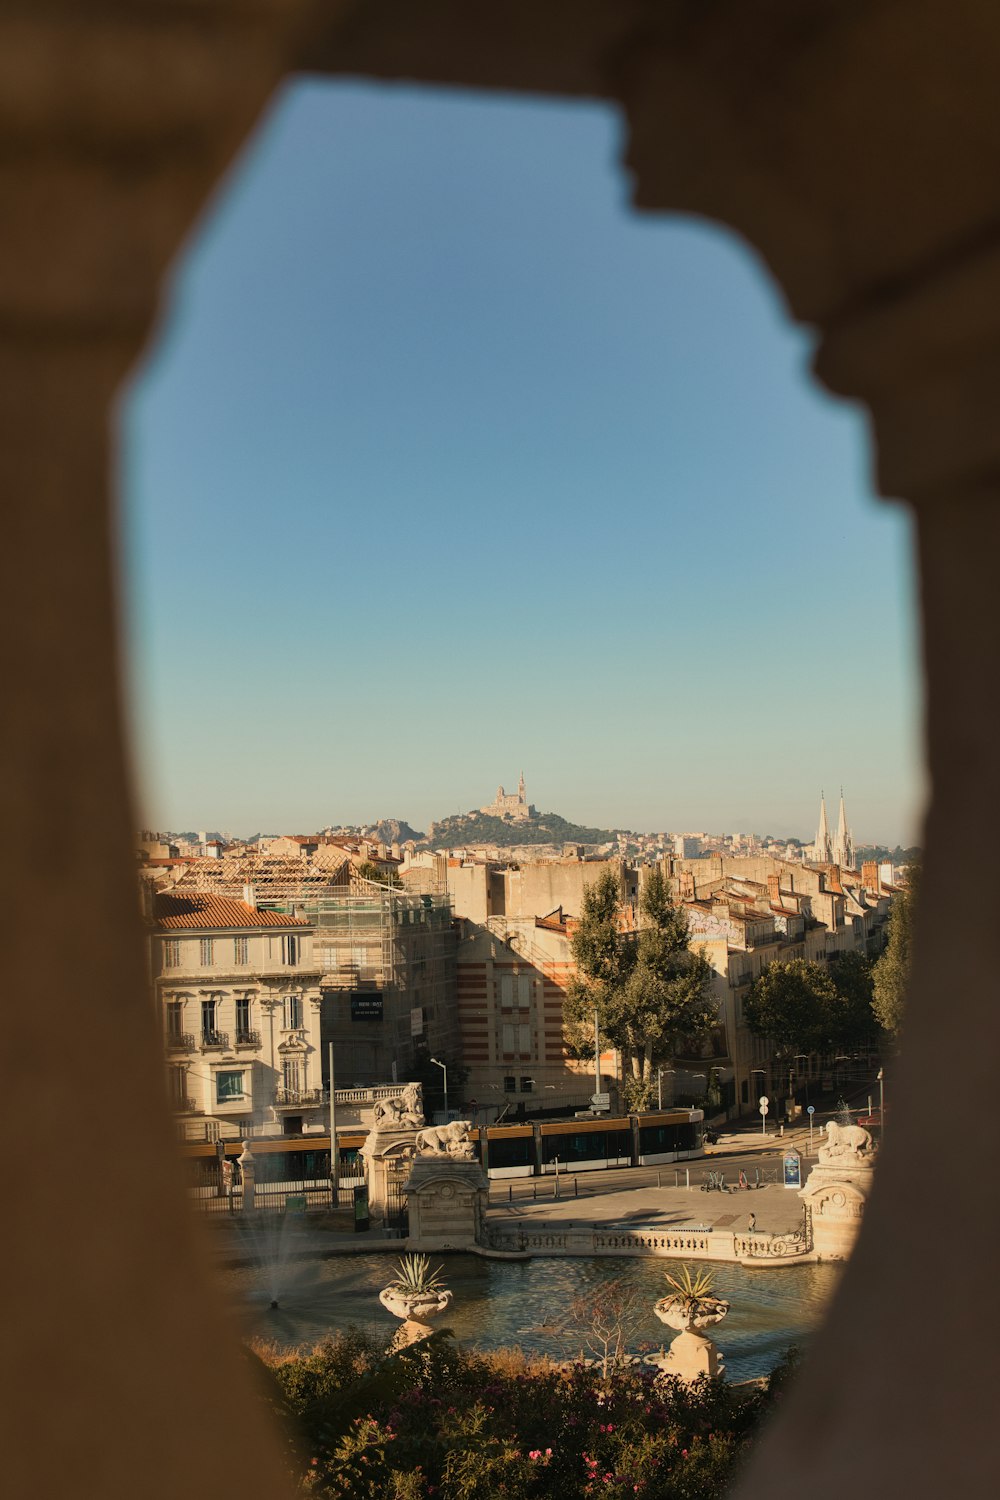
{"x": 238, "y": 995}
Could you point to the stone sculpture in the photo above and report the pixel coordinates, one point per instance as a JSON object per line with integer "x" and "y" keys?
{"x": 447, "y": 1140}
{"x": 404, "y": 1109}
{"x": 845, "y": 1144}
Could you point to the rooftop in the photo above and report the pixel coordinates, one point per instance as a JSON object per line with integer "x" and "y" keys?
{"x": 199, "y": 910}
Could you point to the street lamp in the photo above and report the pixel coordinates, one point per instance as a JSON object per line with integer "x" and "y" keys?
{"x": 444, "y": 1070}
{"x": 881, "y": 1105}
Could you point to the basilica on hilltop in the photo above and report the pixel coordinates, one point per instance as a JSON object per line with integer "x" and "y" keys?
{"x": 513, "y": 806}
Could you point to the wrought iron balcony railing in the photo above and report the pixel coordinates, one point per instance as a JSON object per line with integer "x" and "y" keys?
{"x": 180, "y": 1041}
{"x": 215, "y": 1040}
{"x": 298, "y": 1098}
{"x": 247, "y": 1038}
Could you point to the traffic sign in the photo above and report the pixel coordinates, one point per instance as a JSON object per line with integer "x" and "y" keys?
{"x": 810, "y": 1109}
{"x": 763, "y": 1099}
{"x": 763, "y": 1106}
{"x": 600, "y": 1101}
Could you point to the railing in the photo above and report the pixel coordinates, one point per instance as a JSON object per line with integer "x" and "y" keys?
{"x": 215, "y": 1041}
{"x": 180, "y": 1041}
{"x": 248, "y": 1038}
{"x": 298, "y": 1098}
{"x": 186, "y": 1106}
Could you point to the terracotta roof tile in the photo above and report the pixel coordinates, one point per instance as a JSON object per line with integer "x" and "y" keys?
{"x": 202, "y": 909}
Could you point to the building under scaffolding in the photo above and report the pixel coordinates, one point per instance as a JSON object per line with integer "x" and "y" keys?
{"x": 387, "y": 955}
{"x": 388, "y": 980}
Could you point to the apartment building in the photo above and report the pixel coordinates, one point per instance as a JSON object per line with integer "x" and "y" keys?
{"x": 237, "y": 990}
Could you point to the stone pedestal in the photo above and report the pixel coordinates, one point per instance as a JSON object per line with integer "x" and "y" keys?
{"x": 835, "y": 1195}
{"x": 386, "y": 1155}
{"x": 690, "y": 1356}
{"x": 447, "y": 1201}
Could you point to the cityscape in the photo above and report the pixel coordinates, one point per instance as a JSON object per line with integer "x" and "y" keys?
{"x": 665, "y": 1048}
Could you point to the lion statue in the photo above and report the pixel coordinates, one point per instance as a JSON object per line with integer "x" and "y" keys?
{"x": 402, "y": 1109}
{"x": 845, "y": 1142}
{"x": 447, "y": 1140}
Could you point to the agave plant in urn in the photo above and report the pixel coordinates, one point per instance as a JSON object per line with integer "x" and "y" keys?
{"x": 417, "y": 1295}
{"x": 689, "y": 1307}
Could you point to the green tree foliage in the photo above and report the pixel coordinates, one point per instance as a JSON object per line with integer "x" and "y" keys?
{"x": 892, "y": 971}
{"x": 650, "y": 992}
{"x": 793, "y": 1005}
{"x": 369, "y": 870}
{"x": 852, "y": 1021}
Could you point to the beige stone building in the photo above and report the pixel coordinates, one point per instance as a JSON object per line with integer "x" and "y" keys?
{"x": 238, "y": 994}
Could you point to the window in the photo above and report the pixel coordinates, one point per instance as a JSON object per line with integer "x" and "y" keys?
{"x": 508, "y": 1038}
{"x": 242, "y": 1015}
{"x": 228, "y": 1086}
{"x": 206, "y": 948}
{"x": 292, "y": 1017}
{"x": 172, "y": 953}
{"x": 177, "y": 1082}
{"x": 524, "y": 991}
{"x": 175, "y": 1020}
{"x": 241, "y": 946}
{"x": 208, "y": 1016}
{"x": 527, "y": 1085}
{"x": 506, "y": 990}
{"x": 524, "y": 1039}
{"x": 510, "y": 1084}
{"x": 291, "y": 1076}
{"x": 290, "y": 949}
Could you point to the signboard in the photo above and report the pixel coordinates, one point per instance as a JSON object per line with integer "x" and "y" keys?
{"x": 763, "y": 1106}
{"x": 810, "y": 1109}
{"x": 367, "y": 1006}
{"x": 600, "y": 1101}
{"x": 792, "y": 1169}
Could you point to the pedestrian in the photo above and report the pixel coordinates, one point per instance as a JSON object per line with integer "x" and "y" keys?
{"x": 751, "y": 1223}
{"x": 743, "y": 1178}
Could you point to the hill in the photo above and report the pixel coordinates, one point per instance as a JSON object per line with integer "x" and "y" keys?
{"x": 543, "y": 828}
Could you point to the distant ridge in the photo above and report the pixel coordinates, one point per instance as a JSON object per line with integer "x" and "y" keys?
{"x": 542, "y": 828}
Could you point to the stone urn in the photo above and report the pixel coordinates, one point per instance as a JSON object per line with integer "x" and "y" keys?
{"x": 416, "y": 1297}
{"x": 691, "y": 1354}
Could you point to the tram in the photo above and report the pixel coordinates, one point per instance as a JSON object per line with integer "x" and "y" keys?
{"x": 290, "y": 1164}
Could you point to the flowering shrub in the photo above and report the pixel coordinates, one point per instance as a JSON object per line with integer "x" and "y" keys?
{"x": 434, "y": 1421}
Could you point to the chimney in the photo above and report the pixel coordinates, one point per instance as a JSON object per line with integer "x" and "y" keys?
{"x": 250, "y": 896}
{"x": 774, "y": 889}
{"x": 869, "y": 875}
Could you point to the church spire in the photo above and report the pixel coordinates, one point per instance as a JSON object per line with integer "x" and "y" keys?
{"x": 823, "y": 851}
{"x": 843, "y": 844}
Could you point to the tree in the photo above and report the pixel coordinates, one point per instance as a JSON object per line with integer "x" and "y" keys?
{"x": 853, "y": 1021}
{"x": 892, "y": 971}
{"x": 793, "y": 1005}
{"x": 649, "y": 991}
{"x": 369, "y": 870}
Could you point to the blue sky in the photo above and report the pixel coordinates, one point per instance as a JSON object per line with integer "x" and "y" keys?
{"x": 446, "y": 463}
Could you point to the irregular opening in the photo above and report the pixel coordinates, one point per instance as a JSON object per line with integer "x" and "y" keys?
{"x": 446, "y": 465}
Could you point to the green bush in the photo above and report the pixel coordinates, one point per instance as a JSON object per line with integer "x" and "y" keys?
{"x": 434, "y": 1421}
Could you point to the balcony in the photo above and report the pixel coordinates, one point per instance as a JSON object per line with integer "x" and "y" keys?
{"x": 246, "y": 1038}
{"x": 299, "y": 1098}
{"x": 215, "y": 1041}
{"x": 180, "y": 1041}
{"x": 185, "y": 1105}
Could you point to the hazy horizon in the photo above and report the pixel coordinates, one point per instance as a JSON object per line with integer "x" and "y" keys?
{"x": 446, "y": 463}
